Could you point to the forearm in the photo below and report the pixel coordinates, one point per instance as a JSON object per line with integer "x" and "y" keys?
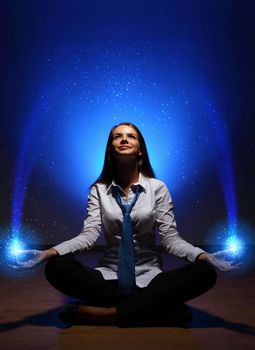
{"x": 82, "y": 242}
{"x": 175, "y": 245}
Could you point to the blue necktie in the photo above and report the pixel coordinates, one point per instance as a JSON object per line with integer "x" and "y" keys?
{"x": 126, "y": 266}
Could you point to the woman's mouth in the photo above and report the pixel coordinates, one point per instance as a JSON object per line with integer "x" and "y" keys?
{"x": 124, "y": 147}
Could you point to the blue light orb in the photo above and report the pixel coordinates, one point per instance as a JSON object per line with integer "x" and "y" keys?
{"x": 14, "y": 251}
{"x": 235, "y": 238}
{"x": 15, "y": 247}
{"x": 235, "y": 245}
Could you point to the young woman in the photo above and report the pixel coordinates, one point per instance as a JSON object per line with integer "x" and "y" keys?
{"x": 129, "y": 287}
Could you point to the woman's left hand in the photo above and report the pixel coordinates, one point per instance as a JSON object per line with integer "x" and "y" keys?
{"x": 220, "y": 260}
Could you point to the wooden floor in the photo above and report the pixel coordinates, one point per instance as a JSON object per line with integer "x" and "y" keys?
{"x": 224, "y": 318}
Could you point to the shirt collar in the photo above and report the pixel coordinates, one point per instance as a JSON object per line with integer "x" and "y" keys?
{"x": 141, "y": 181}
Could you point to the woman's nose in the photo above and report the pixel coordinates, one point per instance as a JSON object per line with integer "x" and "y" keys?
{"x": 124, "y": 139}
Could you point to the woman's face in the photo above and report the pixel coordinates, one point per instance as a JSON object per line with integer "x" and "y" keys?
{"x": 125, "y": 142}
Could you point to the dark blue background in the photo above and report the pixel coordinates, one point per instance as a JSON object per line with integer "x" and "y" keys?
{"x": 183, "y": 71}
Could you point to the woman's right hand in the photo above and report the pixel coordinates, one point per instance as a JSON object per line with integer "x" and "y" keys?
{"x": 33, "y": 257}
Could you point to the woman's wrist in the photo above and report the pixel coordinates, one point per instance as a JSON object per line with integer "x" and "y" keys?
{"x": 51, "y": 252}
{"x": 204, "y": 257}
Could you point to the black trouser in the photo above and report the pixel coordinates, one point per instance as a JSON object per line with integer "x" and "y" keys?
{"x": 164, "y": 293}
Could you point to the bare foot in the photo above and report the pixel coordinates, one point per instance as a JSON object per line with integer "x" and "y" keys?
{"x": 99, "y": 315}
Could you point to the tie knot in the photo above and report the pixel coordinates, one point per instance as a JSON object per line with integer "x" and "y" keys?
{"x": 126, "y": 208}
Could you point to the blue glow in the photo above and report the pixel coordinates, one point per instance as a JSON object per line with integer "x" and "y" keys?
{"x": 235, "y": 245}
{"x": 28, "y": 149}
{"x": 221, "y": 155}
{"x": 66, "y": 134}
{"x": 14, "y": 251}
{"x": 85, "y": 84}
{"x": 15, "y": 245}
{"x": 176, "y": 71}
{"x": 236, "y": 241}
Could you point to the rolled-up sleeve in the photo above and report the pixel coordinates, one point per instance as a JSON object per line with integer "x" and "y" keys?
{"x": 91, "y": 228}
{"x": 167, "y": 228}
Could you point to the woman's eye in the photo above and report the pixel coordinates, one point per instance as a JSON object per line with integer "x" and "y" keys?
{"x": 130, "y": 136}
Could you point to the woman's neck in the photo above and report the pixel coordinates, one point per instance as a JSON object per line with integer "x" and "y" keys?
{"x": 126, "y": 174}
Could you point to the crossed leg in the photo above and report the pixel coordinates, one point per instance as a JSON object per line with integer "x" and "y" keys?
{"x": 167, "y": 291}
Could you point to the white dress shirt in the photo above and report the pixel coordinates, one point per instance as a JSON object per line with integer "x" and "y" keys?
{"x": 152, "y": 213}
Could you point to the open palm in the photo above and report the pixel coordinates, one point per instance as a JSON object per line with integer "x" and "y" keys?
{"x": 221, "y": 260}
{"x": 32, "y": 258}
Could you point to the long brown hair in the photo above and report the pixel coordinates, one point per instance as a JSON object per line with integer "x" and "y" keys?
{"x": 109, "y": 168}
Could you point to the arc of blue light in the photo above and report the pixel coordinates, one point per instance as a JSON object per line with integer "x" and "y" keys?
{"x": 24, "y": 167}
{"x": 223, "y": 161}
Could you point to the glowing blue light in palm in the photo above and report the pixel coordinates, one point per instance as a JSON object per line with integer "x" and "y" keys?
{"x": 235, "y": 245}
{"x": 15, "y": 250}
